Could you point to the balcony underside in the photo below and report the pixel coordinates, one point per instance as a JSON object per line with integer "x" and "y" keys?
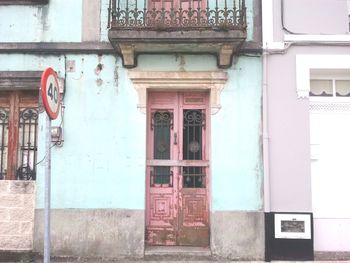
{"x": 130, "y": 43}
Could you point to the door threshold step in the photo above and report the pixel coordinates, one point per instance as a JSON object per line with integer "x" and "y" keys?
{"x": 177, "y": 252}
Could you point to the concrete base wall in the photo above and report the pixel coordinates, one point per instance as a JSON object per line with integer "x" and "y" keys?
{"x": 119, "y": 233}
{"x": 103, "y": 233}
{"x": 16, "y": 215}
{"x": 238, "y": 235}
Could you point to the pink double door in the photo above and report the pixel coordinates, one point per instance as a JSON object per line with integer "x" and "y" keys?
{"x": 177, "y": 211}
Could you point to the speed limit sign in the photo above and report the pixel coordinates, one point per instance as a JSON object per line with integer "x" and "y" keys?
{"x": 50, "y": 93}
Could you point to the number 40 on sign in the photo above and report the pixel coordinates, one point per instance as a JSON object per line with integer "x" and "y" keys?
{"x": 50, "y": 93}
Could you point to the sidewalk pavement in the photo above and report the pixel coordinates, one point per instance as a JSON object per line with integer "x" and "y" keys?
{"x": 77, "y": 260}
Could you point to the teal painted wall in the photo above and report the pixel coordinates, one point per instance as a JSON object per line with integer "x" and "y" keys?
{"x": 236, "y": 165}
{"x": 61, "y": 21}
{"x": 102, "y": 161}
{"x": 236, "y": 132}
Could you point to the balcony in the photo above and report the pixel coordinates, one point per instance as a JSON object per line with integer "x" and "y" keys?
{"x": 169, "y": 26}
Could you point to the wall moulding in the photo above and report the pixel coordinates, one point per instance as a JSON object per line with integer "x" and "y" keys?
{"x": 20, "y": 80}
{"x": 212, "y": 81}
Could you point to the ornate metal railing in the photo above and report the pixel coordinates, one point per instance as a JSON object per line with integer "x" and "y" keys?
{"x": 177, "y": 15}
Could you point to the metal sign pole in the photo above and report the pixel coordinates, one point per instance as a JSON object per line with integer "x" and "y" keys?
{"x": 47, "y": 191}
{"x": 50, "y": 95}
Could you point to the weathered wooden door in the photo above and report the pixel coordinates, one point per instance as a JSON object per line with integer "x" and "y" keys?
{"x": 177, "y": 210}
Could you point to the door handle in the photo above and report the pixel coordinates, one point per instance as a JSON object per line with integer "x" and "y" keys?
{"x": 175, "y": 138}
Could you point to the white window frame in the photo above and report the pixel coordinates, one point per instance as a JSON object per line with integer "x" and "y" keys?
{"x": 332, "y": 98}
{"x": 305, "y": 63}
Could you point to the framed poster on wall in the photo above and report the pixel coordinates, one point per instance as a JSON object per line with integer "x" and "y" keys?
{"x": 293, "y": 226}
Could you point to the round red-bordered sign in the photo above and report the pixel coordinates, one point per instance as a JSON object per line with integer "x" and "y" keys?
{"x": 50, "y": 93}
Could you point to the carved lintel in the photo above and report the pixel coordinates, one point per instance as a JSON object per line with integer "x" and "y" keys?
{"x": 128, "y": 53}
{"x": 142, "y": 95}
{"x": 215, "y": 94}
{"x": 20, "y": 80}
{"x": 211, "y": 81}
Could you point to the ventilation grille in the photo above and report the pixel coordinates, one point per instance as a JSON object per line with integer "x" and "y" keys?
{"x": 330, "y": 106}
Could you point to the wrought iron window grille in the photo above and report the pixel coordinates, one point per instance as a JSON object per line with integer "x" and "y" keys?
{"x": 27, "y": 143}
{"x": 27, "y": 149}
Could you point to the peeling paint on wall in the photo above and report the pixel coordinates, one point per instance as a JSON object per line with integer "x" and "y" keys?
{"x": 116, "y": 79}
{"x": 43, "y": 24}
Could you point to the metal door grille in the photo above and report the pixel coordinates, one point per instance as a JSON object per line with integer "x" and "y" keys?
{"x": 194, "y": 123}
{"x": 162, "y": 124}
{"x": 193, "y": 177}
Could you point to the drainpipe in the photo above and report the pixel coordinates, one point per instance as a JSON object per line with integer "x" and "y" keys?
{"x": 266, "y": 140}
{"x": 267, "y": 35}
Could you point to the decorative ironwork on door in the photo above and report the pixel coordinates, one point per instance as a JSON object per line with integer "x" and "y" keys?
{"x": 177, "y": 170}
{"x": 162, "y": 123}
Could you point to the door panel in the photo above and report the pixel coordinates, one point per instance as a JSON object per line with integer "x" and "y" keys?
{"x": 330, "y": 169}
{"x": 177, "y": 170}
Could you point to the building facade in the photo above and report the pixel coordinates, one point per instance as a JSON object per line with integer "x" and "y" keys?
{"x": 306, "y": 114}
{"x": 158, "y": 142}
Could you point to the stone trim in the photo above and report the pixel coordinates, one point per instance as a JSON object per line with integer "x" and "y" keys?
{"x": 57, "y": 48}
{"x": 23, "y": 2}
{"x": 332, "y": 255}
{"x": 20, "y": 80}
{"x": 91, "y": 47}
{"x": 16, "y": 215}
{"x": 212, "y": 81}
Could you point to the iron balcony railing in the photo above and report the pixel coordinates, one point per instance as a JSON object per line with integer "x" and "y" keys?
{"x": 177, "y": 15}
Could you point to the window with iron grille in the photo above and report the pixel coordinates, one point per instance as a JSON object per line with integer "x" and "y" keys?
{"x": 18, "y": 134}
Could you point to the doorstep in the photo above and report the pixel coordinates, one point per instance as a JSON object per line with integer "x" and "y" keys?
{"x": 177, "y": 252}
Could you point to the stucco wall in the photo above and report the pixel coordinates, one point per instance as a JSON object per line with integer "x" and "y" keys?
{"x": 93, "y": 233}
{"x": 98, "y": 174}
{"x": 101, "y": 164}
{"x": 105, "y": 133}
{"x": 45, "y": 23}
{"x": 236, "y": 150}
{"x": 238, "y": 235}
{"x": 105, "y": 136}
{"x": 289, "y": 134}
{"x": 311, "y": 17}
